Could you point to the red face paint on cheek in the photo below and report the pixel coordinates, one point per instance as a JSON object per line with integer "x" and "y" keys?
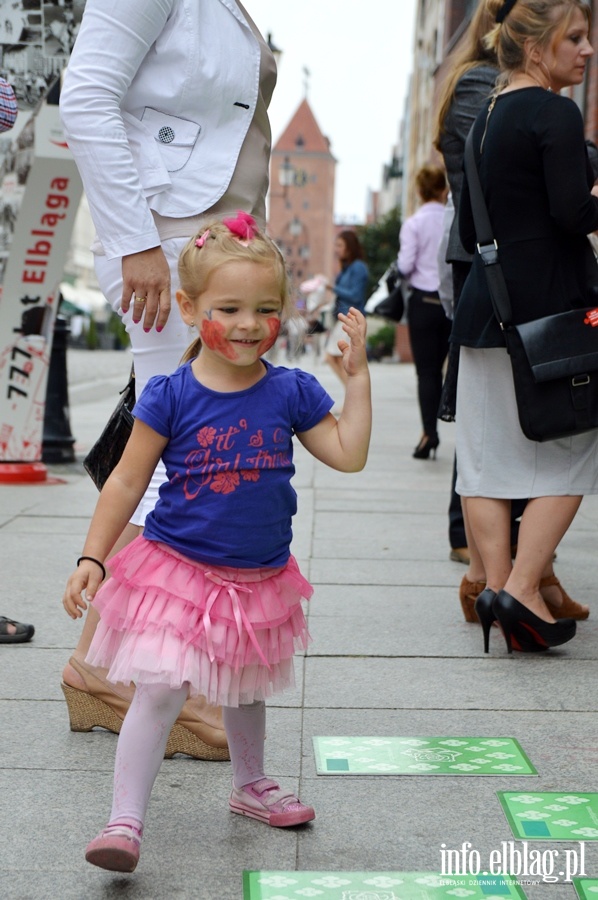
{"x": 212, "y": 335}
{"x": 273, "y": 328}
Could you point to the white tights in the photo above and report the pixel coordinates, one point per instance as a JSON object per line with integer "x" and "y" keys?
{"x": 144, "y": 735}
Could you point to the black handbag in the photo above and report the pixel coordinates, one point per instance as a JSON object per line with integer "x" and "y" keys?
{"x": 109, "y": 447}
{"x": 554, "y": 359}
{"x": 393, "y": 306}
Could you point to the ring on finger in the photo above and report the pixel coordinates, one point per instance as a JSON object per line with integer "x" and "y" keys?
{"x": 140, "y": 299}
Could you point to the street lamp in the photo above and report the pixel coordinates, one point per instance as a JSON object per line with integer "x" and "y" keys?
{"x": 286, "y": 174}
{"x": 295, "y": 227}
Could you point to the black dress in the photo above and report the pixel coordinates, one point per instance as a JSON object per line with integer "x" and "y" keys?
{"x": 536, "y": 180}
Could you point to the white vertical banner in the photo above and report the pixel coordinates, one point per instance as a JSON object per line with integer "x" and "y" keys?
{"x": 29, "y": 297}
{"x": 40, "y": 190}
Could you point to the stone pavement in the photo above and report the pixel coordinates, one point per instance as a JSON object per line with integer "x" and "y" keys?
{"x": 391, "y": 655}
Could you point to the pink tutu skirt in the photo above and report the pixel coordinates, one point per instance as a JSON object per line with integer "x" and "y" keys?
{"x": 230, "y": 633}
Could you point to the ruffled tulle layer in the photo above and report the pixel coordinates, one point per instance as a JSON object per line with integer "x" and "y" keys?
{"x": 230, "y": 633}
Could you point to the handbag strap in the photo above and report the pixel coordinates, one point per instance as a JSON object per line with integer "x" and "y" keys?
{"x": 486, "y": 245}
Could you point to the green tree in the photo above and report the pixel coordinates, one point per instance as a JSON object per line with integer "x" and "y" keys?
{"x": 91, "y": 337}
{"x": 380, "y": 242}
{"x": 117, "y": 328}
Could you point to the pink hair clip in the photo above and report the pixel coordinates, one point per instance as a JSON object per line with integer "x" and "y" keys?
{"x": 243, "y": 226}
{"x": 201, "y": 240}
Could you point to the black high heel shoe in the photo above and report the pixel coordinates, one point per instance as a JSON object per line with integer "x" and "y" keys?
{"x": 426, "y": 446}
{"x": 485, "y": 613}
{"x": 525, "y": 631}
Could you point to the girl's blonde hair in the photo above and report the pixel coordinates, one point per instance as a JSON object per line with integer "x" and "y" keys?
{"x": 472, "y": 52}
{"x": 543, "y": 22}
{"x": 217, "y": 244}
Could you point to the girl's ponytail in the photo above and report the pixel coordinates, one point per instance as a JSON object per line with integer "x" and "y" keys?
{"x": 192, "y": 351}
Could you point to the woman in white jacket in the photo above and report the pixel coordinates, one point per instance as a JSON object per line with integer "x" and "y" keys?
{"x": 164, "y": 107}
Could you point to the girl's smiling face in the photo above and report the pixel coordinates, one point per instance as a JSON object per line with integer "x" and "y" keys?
{"x": 238, "y": 315}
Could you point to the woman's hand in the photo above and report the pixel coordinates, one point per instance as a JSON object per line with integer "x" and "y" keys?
{"x": 146, "y": 284}
{"x": 354, "y": 352}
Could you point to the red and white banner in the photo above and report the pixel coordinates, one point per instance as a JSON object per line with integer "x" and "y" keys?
{"x": 40, "y": 190}
{"x": 28, "y": 301}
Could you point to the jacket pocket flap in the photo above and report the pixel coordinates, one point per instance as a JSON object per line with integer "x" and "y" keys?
{"x": 170, "y": 131}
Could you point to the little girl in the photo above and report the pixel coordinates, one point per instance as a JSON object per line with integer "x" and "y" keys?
{"x": 208, "y": 599}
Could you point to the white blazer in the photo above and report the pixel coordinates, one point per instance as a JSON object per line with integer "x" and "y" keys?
{"x": 156, "y": 103}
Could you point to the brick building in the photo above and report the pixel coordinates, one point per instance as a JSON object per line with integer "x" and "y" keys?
{"x": 301, "y": 214}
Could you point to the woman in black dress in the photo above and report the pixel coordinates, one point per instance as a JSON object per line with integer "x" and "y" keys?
{"x": 537, "y": 182}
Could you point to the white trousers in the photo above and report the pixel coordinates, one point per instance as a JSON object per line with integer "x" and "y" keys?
{"x": 153, "y": 353}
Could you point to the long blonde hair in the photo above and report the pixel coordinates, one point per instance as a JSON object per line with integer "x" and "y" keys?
{"x": 214, "y": 246}
{"x": 534, "y": 20}
{"x": 472, "y": 52}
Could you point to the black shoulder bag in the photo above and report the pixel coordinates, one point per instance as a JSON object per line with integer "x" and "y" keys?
{"x": 554, "y": 359}
{"x": 109, "y": 447}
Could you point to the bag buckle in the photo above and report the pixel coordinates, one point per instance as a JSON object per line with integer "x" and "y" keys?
{"x": 580, "y": 380}
{"x": 489, "y": 253}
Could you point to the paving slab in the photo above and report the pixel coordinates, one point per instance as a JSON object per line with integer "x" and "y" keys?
{"x": 506, "y": 683}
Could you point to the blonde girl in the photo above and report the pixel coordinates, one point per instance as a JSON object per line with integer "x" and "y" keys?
{"x": 208, "y": 600}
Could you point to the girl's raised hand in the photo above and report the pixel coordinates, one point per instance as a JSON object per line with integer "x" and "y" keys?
{"x": 354, "y": 351}
{"x": 86, "y": 577}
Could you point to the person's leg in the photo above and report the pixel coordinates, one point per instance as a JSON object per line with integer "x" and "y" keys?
{"x": 476, "y": 571}
{"x": 139, "y": 755}
{"x": 517, "y": 510}
{"x": 246, "y": 732}
{"x": 428, "y": 332}
{"x": 91, "y": 699}
{"x": 426, "y": 380}
{"x": 488, "y": 521}
{"x": 543, "y": 525}
{"x": 474, "y": 580}
{"x": 253, "y": 794}
{"x": 456, "y": 529}
{"x": 440, "y": 334}
{"x": 488, "y": 529}
{"x": 140, "y": 749}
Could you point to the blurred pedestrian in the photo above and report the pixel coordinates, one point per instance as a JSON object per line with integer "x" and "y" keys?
{"x": 429, "y": 327}
{"x": 350, "y": 290}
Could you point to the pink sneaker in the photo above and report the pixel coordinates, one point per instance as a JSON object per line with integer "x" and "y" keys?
{"x": 116, "y": 848}
{"x": 264, "y": 800}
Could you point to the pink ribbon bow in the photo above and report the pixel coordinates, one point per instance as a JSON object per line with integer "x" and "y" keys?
{"x": 243, "y": 226}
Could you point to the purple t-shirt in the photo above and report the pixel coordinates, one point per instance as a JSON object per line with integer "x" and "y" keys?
{"x": 228, "y": 499}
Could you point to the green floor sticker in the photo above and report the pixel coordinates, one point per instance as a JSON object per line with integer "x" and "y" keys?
{"x": 587, "y": 888}
{"x": 375, "y": 886}
{"x": 569, "y": 816}
{"x": 420, "y": 756}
